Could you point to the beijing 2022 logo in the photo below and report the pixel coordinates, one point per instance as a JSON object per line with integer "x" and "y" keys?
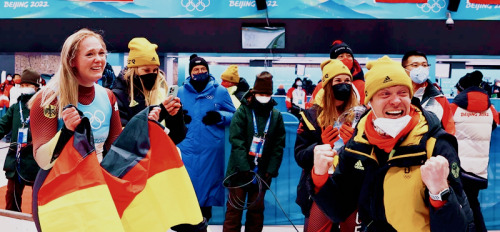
{"x": 198, "y": 5}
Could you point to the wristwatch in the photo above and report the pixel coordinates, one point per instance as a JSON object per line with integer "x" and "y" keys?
{"x": 441, "y": 196}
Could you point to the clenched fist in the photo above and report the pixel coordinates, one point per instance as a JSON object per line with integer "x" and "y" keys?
{"x": 323, "y": 158}
{"x": 435, "y": 174}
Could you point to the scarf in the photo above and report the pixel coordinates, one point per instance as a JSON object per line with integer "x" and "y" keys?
{"x": 387, "y": 143}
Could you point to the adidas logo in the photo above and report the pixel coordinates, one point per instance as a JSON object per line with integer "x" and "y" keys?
{"x": 153, "y": 59}
{"x": 359, "y": 165}
{"x": 387, "y": 79}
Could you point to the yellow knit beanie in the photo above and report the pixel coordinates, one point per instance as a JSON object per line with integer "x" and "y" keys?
{"x": 332, "y": 68}
{"x": 142, "y": 52}
{"x": 231, "y": 74}
{"x": 384, "y": 73}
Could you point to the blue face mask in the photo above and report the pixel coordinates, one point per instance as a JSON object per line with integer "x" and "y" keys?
{"x": 200, "y": 77}
{"x": 419, "y": 75}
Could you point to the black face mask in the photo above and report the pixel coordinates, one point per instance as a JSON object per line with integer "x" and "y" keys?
{"x": 342, "y": 92}
{"x": 148, "y": 80}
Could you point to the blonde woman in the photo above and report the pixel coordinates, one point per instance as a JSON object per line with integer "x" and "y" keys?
{"x": 83, "y": 58}
{"x": 143, "y": 84}
{"x": 317, "y": 128}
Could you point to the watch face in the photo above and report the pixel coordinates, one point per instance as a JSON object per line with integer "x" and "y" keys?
{"x": 441, "y": 196}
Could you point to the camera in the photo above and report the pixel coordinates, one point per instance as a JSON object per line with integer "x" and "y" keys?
{"x": 449, "y": 21}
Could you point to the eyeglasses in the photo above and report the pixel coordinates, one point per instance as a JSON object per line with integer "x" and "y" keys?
{"x": 416, "y": 65}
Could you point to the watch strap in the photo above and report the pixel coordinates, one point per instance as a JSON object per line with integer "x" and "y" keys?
{"x": 441, "y": 196}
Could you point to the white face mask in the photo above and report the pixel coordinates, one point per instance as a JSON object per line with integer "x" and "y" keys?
{"x": 263, "y": 99}
{"x": 392, "y": 126}
{"x": 419, "y": 75}
{"x": 27, "y": 90}
{"x": 9, "y": 78}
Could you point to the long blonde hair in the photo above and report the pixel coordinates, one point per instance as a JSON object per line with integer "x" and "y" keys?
{"x": 63, "y": 85}
{"x": 329, "y": 113}
{"x": 152, "y": 97}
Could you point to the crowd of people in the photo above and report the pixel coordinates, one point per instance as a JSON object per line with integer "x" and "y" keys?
{"x": 411, "y": 161}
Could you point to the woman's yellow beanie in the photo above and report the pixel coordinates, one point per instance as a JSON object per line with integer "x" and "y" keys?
{"x": 142, "y": 52}
{"x": 332, "y": 68}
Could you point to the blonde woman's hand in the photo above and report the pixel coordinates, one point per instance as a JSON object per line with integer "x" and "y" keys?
{"x": 71, "y": 118}
{"x": 323, "y": 158}
{"x": 154, "y": 114}
{"x": 172, "y": 104}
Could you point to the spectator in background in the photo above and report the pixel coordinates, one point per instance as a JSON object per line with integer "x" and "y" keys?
{"x": 142, "y": 84}
{"x": 4, "y": 102}
{"x": 43, "y": 77}
{"x": 207, "y": 110}
{"x": 15, "y": 91}
{"x": 431, "y": 98}
{"x": 255, "y": 121}
{"x": 475, "y": 118}
{"x": 280, "y": 91}
{"x": 296, "y": 98}
{"x": 22, "y": 172}
{"x": 341, "y": 51}
{"x": 108, "y": 77}
{"x": 316, "y": 128}
{"x": 8, "y": 84}
{"x": 308, "y": 86}
{"x": 495, "y": 89}
{"x": 236, "y": 86}
{"x": 400, "y": 168}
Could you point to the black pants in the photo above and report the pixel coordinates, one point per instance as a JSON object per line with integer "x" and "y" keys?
{"x": 255, "y": 213}
{"x": 13, "y": 196}
{"x": 472, "y": 193}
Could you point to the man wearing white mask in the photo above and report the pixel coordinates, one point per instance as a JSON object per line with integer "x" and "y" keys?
{"x": 400, "y": 168}
{"x": 19, "y": 171}
{"x": 257, "y": 137}
{"x": 430, "y": 97}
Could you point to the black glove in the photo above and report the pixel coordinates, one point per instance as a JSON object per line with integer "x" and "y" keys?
{"x": 212, "y": 117}
{"x": 187, "y": 118}
{"x": 295, "y": 109}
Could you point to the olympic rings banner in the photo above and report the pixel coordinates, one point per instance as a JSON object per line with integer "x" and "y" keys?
{"x": 326, "y": 9}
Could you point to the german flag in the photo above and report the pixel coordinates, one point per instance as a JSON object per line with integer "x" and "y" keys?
{"x": 73, "y": 195}
{"x": 147, "y": 179}
{"x": 141, "y": 184}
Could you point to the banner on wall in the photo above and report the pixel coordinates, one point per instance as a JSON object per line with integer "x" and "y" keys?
{"x": 402, "y": 1}
{"x": 303, "y": 9}
{"x": 485, "y": 1}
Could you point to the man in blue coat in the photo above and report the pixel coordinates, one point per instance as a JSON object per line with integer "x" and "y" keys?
{"x": 207, "y": 110}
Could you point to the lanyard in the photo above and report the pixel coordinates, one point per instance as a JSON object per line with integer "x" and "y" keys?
{"x": 21, "y": 112}
{"x": 255, "y": 124}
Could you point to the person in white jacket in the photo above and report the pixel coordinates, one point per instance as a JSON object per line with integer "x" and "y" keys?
{"x": 475, "y": 118}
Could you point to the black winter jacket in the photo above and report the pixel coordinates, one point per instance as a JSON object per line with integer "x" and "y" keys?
{"x": 174, "y": 123}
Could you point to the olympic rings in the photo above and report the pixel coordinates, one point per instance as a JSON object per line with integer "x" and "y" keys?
{"x": 190, "y": 5}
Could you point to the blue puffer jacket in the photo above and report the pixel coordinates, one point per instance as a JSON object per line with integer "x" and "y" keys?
{"x": 203, "y": 148}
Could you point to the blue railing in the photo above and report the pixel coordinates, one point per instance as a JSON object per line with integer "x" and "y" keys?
{"x": 285, "y": 185}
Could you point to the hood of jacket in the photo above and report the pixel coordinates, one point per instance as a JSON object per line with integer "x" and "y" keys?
{"x": 473, "y": 99}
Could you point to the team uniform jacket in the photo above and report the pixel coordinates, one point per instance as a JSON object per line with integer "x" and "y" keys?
{"x": 388, "y": 190}
{"x": 297, "y": 97}
{"x": 175, "y": 123}
{"x": 475, "y": 118}
{"x": 308, "y": 136}
{"x": 203, "y": 148}
{"x": 434, "y": 101}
